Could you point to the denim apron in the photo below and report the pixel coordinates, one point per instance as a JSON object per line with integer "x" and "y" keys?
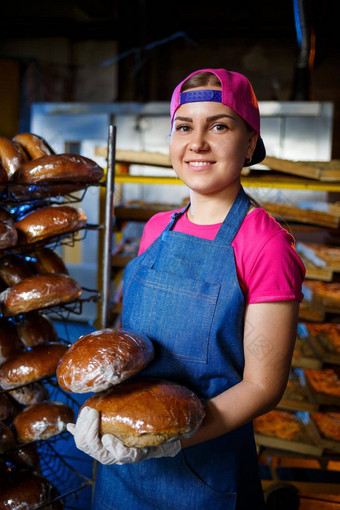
{"x": 183, "y": 293}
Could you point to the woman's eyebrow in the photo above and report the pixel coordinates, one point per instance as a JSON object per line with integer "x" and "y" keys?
{"x": 219, "y": 116}
{"x": 209, "y": 119}
{"x": 183, "y": 119}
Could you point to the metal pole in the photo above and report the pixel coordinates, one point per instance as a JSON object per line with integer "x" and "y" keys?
{"x": 109, "y": 211}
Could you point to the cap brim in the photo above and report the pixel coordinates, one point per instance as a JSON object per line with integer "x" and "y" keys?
{"x": 259, "y": 153}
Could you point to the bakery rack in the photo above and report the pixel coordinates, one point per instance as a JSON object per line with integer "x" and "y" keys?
{"x": 60, "y": 461}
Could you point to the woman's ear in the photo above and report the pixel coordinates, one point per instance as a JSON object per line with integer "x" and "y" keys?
{"x": 252, "y": 143}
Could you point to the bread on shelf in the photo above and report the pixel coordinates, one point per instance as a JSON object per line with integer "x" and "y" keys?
{"x": 49, "y": 221}
{"x": 37, "y": 292}
{"x": 30, "y": 365}
{"x": 42, "y": 421}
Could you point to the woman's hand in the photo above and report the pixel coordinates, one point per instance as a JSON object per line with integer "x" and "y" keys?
{"x": 108, "y": 449}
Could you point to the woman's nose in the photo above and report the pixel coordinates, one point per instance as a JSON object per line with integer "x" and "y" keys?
{"x": 198, "y": 142}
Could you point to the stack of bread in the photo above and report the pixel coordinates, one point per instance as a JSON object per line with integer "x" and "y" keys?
{"x": 139, "y": 411}
{"x": 29, "y": 352}
{"x": 34, "y": 281}
{"x": 30, "y": 168}
{"x": 33, "y": 277}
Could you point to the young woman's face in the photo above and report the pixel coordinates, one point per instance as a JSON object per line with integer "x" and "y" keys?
{"x": 209, "y": 145}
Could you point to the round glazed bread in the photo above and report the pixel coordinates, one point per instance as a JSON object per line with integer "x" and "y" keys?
{"x": 8, "y": 235}
{"x": 103, "y": 358}
{"x": 10, "y": 342}
{"x": 59, "y": 168}
{"x": 40, "y": 291}
{"x": 25, "y": 490}
{"x": 34, "y": 145}
{"x": 31, "y": 365}
{"x": 14, "y": 268}
{"x": 35, "y": 329}
{"x": 49, "y": 221}
{"x": 42, "y": 421}
{"x": 12, "y": 156}
{"x": 30, "y": 394}
{"x": 25, "y": 456}
{"x": 147, "y": 412}
{"x": 48, "y": 261}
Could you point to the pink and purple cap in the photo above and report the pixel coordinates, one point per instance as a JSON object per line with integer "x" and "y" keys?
{"x": 236, "y": 92}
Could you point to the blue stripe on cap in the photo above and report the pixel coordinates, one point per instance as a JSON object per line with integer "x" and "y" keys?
{"x": 192, "y": 96}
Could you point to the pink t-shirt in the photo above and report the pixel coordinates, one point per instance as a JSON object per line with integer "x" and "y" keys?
{"x": 267, "y": 264}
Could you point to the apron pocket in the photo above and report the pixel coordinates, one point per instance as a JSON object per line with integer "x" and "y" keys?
{"x": 174, "y": 310}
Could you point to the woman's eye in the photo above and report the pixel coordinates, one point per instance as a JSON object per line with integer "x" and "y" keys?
{"x": 183, "y": 127}
{"x": 219, "y": 127}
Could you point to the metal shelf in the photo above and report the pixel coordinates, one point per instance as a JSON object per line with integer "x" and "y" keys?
{"x": 258, "y": 181}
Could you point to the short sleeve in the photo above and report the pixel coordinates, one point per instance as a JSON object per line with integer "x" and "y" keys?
{"x": 277, "y": 272}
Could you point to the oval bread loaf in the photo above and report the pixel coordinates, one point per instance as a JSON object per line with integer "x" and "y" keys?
{"x": 147, "y": 412}
{"x": 48, "y": 261}
{"x": 42, "y": 421}
{"x": 8, "y": 235}
{"x": 49, "y": 221}
{"x": 59, "y": 168}
{"x": 40, "y": 291}
{"x": 31, "y": 365}
{"x": 25, "y": 489}
{"x": 35, "y": 329}
{"x": 103, "y": 358}
{"x": 35, "y": 146}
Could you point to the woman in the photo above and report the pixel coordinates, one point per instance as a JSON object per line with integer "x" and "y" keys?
{"x": 216, "y": 287}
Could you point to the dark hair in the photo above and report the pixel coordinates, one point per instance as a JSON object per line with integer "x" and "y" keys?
{"x": 201, "y": 80}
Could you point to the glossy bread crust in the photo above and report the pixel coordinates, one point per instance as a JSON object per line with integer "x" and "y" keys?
{"x": 147, "y": 412}
{"x": 103, "y": 358}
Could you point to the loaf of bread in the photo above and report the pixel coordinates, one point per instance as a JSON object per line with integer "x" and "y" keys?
{"x": 35, "y": 146}
{"x": 25, "y": 456}
{"x": 30, "y": 393}
{"x": 36, "y": 328}
{"x": 14, "y": 268}
{"x": 59, "y": 168}
{"x": 103, "y": 358}
{"x": 8, "y": 235}
{"x": 40, "y": 291}
{"x": 12, "y": 156}
{"x": 7, "y": 407}
{"x": 6, "y": 216}
{"x": 7, "y": 438}
{"x": 48, "y": 261}
{"x": 42, "y": 421}
{"x": 25, "y": 490}
{"x": 50, "y": 221}
{"x": 30, "y": 365}
{"x": 10, "y": 342}
{"x": 147, "y": 412}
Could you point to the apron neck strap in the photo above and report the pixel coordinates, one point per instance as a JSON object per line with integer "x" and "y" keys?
{"x": 230, "y": 225}
{"x": 234, "y": 218}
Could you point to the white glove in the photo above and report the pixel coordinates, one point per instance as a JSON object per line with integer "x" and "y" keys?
{"x": 108, "y": 449}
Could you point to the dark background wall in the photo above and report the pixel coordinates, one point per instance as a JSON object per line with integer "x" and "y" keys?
{"x": 138, "y": 50}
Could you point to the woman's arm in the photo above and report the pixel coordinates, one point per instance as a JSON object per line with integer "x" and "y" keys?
{"x": 269, "y": 338}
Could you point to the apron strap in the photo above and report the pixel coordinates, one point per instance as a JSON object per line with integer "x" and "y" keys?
{"x": 175, "y": 217}
{"x": 234, "y": 218}
{"x": 231, "y": 223}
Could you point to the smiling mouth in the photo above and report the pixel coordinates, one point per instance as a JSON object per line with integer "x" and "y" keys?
{"x": 200, "y": 163}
